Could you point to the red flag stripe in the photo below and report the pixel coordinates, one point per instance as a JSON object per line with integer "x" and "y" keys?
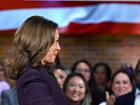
{"x": 20, "y": 4}
{"x": 95, "y": 29}
{"x": 106, "y": 27}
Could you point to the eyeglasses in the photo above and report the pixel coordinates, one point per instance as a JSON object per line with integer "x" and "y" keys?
{"x": 83, "y": 70}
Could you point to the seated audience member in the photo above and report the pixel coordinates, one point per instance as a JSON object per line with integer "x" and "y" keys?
{"x": 3, "y": 86}
{"x": 121, "y": 83}
{"x": 137, "y": 74}
{"x": 9, "y": 97}
{"x": 100, "y": 77}
{"x": 3, "y": 83}
{"x": 128, "y": 68}
{"x": 59, "y": 74}
{"x": 83, "y": 67}
{"x": 132, "y": 98}
{"x": 137, "y": 81}
{"x": 76, "y": 90}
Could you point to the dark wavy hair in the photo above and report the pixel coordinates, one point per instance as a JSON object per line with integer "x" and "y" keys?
{"x": 97, "y": 95}
{"x": 137, "y": 74}
{"x": 121, "y": 70}
{"x": 80, "y": 61}
{"x": 31, "y": 41}
{"x": 137, "y": 68}
{"x": 86, "y": 100}
{"x": 107, "y": 69}
{"x": 124, "y": 72}
{"x": 71, "y": 75}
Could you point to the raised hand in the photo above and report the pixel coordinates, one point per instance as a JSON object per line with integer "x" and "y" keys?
{"x": 110, "y": 99}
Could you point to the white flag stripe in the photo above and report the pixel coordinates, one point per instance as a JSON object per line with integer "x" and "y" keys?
{"x": 104, "y": 12}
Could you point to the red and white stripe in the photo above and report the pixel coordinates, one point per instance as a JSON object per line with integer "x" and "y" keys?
{"x": 74, "y": 17}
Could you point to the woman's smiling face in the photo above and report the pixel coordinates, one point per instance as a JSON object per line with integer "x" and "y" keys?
{"x": 76, "y": 89}
{"x": 121, "y": 84}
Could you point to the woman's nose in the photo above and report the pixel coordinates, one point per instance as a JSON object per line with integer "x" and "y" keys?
{"x": 58, "y": 47}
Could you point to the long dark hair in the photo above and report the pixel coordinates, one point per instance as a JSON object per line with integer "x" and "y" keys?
{"x": 107, "y": 69}
{"x": 80, "y": 61}
{"x": 31, "y": 41}
{"x": 97, "y": 94}
{"x": 71, "y": 75}
{"x": 124, "y": 72}
{"x": 85, "y": 101}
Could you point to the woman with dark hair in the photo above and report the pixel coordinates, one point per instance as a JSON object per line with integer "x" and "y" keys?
{"x": 121, "y": 83}
{"x": 133, "y": 97}
{"x": 121, "y": 77}
{"x": 137, "y": 74}
{"x": 76, "y": 89}
{"x": 59, "y": 74}
{"x": 101, "y": 75}
{"x": 34, "y": 49}
{"x": 83, "y": 67}
{"x": 128, "y": 68}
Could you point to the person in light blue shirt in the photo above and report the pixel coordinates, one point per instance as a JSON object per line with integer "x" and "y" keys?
{"x": 9, "y": 97}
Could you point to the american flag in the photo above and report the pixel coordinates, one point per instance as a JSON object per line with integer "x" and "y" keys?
{"x": 74, "y": 17}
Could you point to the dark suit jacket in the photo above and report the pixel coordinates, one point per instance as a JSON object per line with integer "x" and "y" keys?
{"x": 37, "y": 87}
{"x": 9, "y": 97}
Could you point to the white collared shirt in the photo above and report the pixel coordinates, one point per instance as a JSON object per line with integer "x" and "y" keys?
{"x": 137, "y": 97}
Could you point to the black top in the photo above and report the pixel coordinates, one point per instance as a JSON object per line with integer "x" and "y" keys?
{"x": 127, "y": 99}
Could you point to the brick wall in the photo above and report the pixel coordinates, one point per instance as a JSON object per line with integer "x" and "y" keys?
{"x": 114, "y": 50}
{"x": 5, "y": 43}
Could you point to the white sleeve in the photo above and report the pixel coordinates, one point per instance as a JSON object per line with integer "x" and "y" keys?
{"x": 4, "y": 86}
{"x": 102, "y": 103}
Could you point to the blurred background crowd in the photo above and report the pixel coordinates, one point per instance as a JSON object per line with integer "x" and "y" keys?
{"x": 100, "y": 48}
{"x": 83, "y": 83}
